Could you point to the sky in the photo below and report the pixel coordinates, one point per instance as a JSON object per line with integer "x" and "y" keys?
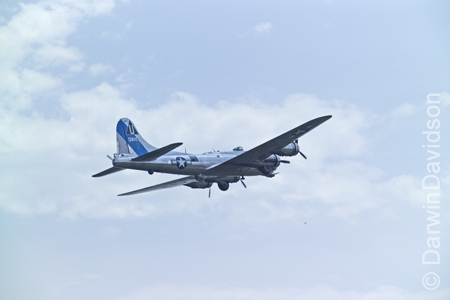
{"x": 353, "y": 221}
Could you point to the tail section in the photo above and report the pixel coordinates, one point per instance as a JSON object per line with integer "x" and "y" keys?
{"x": 129, "y": 140}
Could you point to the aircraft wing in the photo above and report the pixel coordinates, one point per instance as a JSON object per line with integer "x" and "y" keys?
{"x": 157, "y": 153}
{"x": 164, "y": 185}
{"x": 147, "y": 156}
{"x": 108, "y": 171}
{"x": 266, "y": 149}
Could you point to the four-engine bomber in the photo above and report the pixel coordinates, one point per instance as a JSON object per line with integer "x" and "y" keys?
{"x": 202, "y": 170}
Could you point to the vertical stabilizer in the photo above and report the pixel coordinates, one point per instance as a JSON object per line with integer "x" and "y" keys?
{"x": 129, "y": 140}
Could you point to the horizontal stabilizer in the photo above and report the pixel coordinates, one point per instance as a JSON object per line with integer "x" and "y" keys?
{"x": 108, "y": 171}
{"x": 157, "y": 153}
{"x": 165, "y": 185}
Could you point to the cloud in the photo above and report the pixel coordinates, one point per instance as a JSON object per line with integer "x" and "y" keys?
{"x": 37, "y": 83}
{"x": 445, "y": 98}
{"x": 34, "y": 41}
{"x": 80, "y": 141}
{"x": 404, "y": 110}
{"x": 100, "y": 69}
{"x": 259, "y": 29}
{"x": 323, "y": 292}
{"x": 56, "y": 156}
{"x": 263, "y": 28}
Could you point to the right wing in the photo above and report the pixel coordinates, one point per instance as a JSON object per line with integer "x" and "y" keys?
{"x": 261, "y": 152}
{"x": 164, "y": 185}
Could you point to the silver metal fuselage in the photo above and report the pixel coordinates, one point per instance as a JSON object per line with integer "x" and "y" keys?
{"x": 186, "y": 164}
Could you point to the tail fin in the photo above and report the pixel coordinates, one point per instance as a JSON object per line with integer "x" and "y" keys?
{"x": 129, "y": 140}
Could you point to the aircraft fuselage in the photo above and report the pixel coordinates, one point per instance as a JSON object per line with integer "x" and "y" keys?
{"x": 186, "y": 164}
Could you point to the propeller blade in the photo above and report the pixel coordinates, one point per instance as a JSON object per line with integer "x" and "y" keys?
{"x": 209, "y": 195}
{"x": 243, "y": 183}
{"x": 109, "y": 157}
{"x": 285, "y": 161}
{"x": 302, "y": 154}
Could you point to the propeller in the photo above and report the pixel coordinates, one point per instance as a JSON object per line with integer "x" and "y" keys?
{"x": 242, "y": 181}
{"x": 304, "y": 156}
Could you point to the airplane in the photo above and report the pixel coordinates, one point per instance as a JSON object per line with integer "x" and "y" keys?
{"x": 202, "y": 170}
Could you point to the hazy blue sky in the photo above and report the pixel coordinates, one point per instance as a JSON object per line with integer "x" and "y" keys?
{"x": 347, "y": 223}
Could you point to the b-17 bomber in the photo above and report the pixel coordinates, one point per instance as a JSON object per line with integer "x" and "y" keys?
{"x": 201, "y": 171}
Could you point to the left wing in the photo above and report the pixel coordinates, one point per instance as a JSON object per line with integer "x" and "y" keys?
{"x": 108, "y": 171}
{"x": 261, "y": 152}
{"x": 165, "y": 185}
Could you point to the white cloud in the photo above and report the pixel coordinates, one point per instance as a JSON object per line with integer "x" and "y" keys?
{"x": 403, "y": 111}
{"x": 100, "y": 69}
{"x": 80, "y": 141}
{"x": 323, "y": 292}
{"x": 56, "y": 55}
{"x": 263, "y": 28}
{"x": 332, "y": 178}
{"x": 44, "y": 26}
{"x": 37, "y": 83}
{"x": 34, "y": 40}
{"x": 445, "y": 98}
{"x": 21, "y": 87}
{"x": 259, "y": 29}
{"x": 117, "y": 35}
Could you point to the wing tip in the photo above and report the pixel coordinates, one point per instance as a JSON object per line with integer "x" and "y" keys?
{"x": 127, "y": 194}
{"x": 322, "y": 119}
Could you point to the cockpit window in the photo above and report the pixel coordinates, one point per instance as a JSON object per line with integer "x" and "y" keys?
{"x": 238, "y": 148}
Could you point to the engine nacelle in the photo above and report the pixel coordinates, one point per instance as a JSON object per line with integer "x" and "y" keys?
{"x": 199, "y": 185}
{"x": 273, "y": 161}
{"x": 291, "y": 149}
{"x": 270, "y": 164}
{"x": 266, "y": 170}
